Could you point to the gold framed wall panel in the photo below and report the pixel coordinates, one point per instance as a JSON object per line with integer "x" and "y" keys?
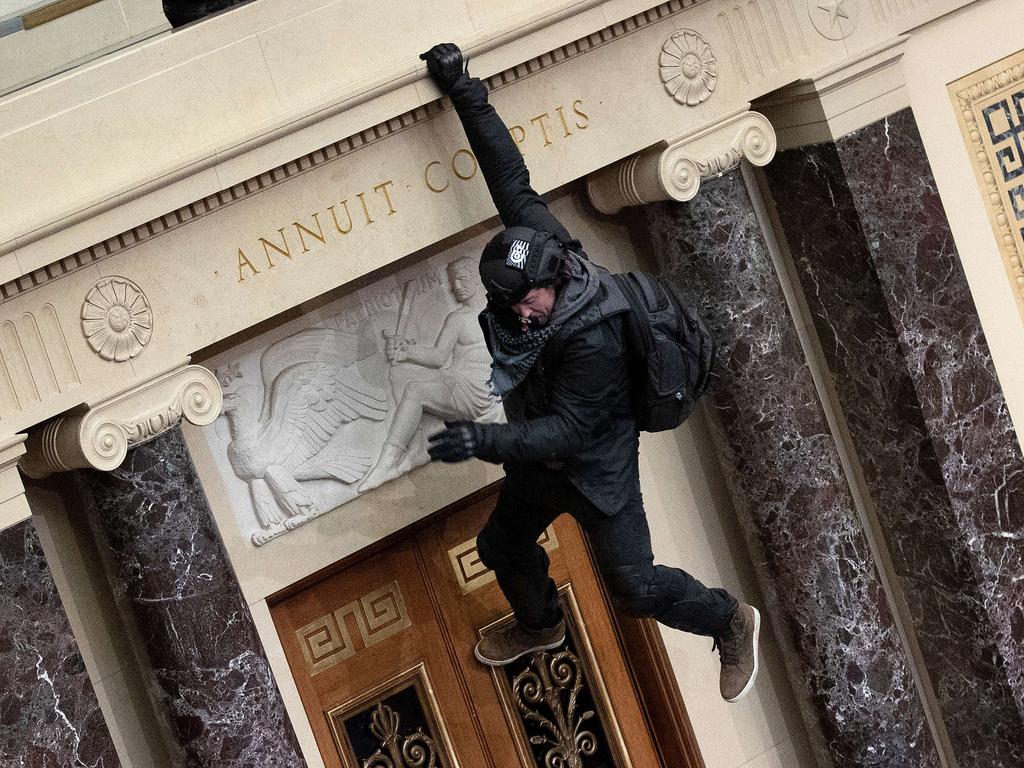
{"x": 990, "y": 109}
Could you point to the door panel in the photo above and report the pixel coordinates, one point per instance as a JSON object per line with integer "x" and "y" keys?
{"x": 383, "y": 650}
{"x": 354, "y": 633}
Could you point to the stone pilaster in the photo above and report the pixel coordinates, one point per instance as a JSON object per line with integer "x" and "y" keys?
{"x": 207, "y": 668}
{"x": 49, "y": 714}
{"x": 916, "y": 385}
{"x": 823, "y": 590}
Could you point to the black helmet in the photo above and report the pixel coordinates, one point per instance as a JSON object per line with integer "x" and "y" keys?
{"x": 517, "y": 260}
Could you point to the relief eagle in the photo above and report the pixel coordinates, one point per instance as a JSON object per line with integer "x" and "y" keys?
{"x": 311, "y": 387}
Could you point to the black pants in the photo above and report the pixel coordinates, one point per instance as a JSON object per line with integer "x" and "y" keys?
{"x": 531, "y": 498}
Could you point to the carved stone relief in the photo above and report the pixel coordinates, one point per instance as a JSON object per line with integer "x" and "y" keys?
{"x": 834, "y": 19}
{"x": 689, "y": 69}
{"x": 116, "y": 319}
{"x": 323, "y": 413}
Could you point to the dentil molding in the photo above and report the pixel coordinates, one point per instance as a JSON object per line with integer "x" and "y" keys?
{"x": 100, "y": 436}
{"x": 674, "y": 169}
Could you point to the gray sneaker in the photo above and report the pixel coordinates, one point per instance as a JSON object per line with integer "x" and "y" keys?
{"x": 737, "y": 647}
{"x": 511, "y": 641}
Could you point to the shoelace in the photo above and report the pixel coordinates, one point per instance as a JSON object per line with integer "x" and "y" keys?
{"x": 729, "y": 647}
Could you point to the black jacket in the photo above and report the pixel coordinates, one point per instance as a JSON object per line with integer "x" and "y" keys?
{"x": 574, "y": 408}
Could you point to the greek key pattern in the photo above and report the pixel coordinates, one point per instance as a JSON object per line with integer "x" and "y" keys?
{"x": 991, "y": 113}
{"x": 329, "y": 640}
{"x": 471, "y": 574}
{"x": 1005, "y": 123}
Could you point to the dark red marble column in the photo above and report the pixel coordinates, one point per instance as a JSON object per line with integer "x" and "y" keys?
{"x": 49, "y": 715}
{"x": 208, "y": 672}
{"x": 823, "y": 590}
{"x": 916, "y": 384}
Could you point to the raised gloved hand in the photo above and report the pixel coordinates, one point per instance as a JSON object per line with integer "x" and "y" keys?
{"x": 458, "y": 441}
{"x": 445, "y": 64}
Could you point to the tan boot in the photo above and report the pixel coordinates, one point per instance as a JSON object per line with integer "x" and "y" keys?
{"x": 511, "y": 641}
{"x": 737, "y": 647}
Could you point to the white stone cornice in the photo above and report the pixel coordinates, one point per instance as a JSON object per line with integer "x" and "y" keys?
{"x": 101, "y": 435}
{"x": 840, "y": 99}
{"x": 13, "y": 506}
{"x": 674, "y": 169}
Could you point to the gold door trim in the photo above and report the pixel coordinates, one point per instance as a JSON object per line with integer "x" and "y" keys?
{"x": 378, "y": 615}
{"x": 471, "y": 574}
{"x": 420, "y": 680}
{"x": 576, "y": 627}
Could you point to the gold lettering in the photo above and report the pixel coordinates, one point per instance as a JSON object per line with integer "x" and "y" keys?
{"x": 286, "y": 251}
{"x": 565, "y": 125}
{"x": 366, "y": 211}
{"x": 383, "y": 187}
{"x": 243, "y": 261}
{"x": 318, "y": 235}
{"x": 472, "y": 158}
{"x": 334, "y": 216}
{"x": 539, "y": 120}
{"x": 426, "y": 178}
{"x": 518, "y": 136}
{"x": 577, "y": 107}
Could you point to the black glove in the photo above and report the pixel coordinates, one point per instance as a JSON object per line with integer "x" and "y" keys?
{"x": 445, "y": 65}
{"x": 458, "y": 441}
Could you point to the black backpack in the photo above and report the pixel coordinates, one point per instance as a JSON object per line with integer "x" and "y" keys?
{"x": 672, "y": 349}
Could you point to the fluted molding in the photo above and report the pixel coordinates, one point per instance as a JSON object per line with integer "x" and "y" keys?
{"x": 674, "y": 169}
{"x": 100, "y": 436}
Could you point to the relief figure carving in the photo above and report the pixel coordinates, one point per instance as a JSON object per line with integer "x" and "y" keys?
{"x": 446, "y": 379}
{"x": 331, "y": 411}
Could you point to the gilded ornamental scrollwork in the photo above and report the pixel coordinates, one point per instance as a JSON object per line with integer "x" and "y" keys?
{"x": 396, "y": 724}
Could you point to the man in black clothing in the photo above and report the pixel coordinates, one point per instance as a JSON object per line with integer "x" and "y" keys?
{"x": 554, "y": 328}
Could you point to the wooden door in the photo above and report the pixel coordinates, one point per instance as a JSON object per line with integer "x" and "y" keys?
{"x": 382, "y": 654}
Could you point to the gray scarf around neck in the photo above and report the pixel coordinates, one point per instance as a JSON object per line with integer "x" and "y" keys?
{"x": 515, "y": 351}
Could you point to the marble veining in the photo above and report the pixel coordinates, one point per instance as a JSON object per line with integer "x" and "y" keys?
{"x": 787, "y": 483}
{"x": 903, "y": 474}
{"x": 49, "y": 715}
{"x": 208, "y": 672}
{"x": 949, "y": 362}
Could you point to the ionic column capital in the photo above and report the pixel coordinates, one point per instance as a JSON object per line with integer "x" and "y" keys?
{"x": 101, "y": 435}
{"x": 674, "y": 169}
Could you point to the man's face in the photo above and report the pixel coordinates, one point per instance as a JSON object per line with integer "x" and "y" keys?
{"x": 464, "y": 283}
{"x": 535, "y": 308}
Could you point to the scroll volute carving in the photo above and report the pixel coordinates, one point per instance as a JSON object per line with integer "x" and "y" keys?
{"x": 675, "y": 169}
{"x": 100, "y": 436}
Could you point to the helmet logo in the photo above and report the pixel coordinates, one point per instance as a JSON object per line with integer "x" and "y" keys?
{"x": 517, "y": 253}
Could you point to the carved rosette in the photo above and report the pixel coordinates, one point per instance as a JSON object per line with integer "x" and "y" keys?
{"x": 688, "y": 68}
{"x": 116, "y": 319}
{"x": 674, "y": 170}
{"x": 101, "y": 437}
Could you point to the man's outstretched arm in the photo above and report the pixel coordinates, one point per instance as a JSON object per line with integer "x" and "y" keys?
{"x": 501, "y": 163}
